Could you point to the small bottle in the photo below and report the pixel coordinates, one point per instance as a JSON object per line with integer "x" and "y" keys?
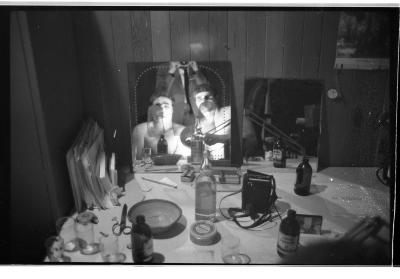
{"x": 206, "y": 191}
{"x": 162, "y": 145}
{"x": 289, "y": 234}
{"x": 303, "y": 178}
{"x": 279, "y": 154}
{"x": 197, "y": 144}
{"x": 142, "y": 241}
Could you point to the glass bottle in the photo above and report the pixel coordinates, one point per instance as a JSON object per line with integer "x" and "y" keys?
{"x": 279, "y": 154}
{"x": 303, "y": 178}
{"x": 289, "y": 234}
{"x": 142, "y": 241}
{"x": 196, "y": 144}
{"x": 206, "y": 191}
{"x": 162, "y": 145}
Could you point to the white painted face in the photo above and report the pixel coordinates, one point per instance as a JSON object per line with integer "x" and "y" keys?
{"x": 164, "y": 107}
{"x": 205, "y": 102}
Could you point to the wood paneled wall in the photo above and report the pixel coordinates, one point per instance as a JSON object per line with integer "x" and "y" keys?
{"x": 273, "y": 44}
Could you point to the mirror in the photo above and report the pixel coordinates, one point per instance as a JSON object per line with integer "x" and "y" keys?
{"x": 288, "y": 108}
{"x": 170, "y": 100}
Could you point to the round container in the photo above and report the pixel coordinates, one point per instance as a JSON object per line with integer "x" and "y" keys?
{"x": 203, "y": 232}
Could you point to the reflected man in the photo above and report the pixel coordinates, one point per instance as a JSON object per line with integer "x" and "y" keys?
{"x": 159, "y": 123}
{"x": 214, "y": 121}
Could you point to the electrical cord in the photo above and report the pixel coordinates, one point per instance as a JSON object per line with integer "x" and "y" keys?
{"x": 219, "y": 206}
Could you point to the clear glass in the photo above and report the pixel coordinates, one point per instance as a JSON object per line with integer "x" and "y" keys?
{"x": 65, "y": 227}
{"x": 146, "y": 155}
{"x": 206, "y": 192}
{"x": 55, "y": 249}
{"x": 85, "y": 234}
{"x": 231, "y": 251}
{"x": 109, "y": 249}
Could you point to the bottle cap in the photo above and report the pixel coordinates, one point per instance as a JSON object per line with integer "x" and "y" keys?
{"x": 140, "y": 219}
{"x": 291, "y": 213}
{"x": 203, "y": 233}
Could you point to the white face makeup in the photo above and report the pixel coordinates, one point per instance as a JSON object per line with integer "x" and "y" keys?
{"x": 165, "y": 105}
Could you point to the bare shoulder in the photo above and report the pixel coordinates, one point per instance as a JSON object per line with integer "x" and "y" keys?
{"x": 140, "y": 128}
{"x": 178, "y": 128}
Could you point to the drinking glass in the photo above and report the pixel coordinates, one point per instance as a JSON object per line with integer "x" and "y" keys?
{"x": 109, "y": 249}
{"x": 85, "y": 234}
{"x": 230, "y": 251}
{"x": 146, "y": 155}
{"x": 65, "y": 227}
{"x": 55, "y": 249}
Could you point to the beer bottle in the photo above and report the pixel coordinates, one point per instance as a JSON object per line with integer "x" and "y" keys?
{"x": 162, "y": 145}
{"x": 279, "y": 154}
{"x": 289, "y": 233}
{"x": 303, "y": 178}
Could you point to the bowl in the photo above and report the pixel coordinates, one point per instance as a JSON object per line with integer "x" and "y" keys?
{"x": 165, "y": 159}
{"x": 160, "y": 215}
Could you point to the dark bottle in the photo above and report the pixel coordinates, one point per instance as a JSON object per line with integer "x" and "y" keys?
{"x": 162, "y": 145}
{"x": 303, "y": 178}
{"x": 142, "y": 241}
{"x": 279, "y": 154}
{"x": 289, "y": 234}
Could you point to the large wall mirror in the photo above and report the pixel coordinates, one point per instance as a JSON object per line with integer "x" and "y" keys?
{"x": 175, "y": 99}
{"x": 286, "y": 108}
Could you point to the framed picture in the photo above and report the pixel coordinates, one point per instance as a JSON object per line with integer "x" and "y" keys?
{"x": 309, "y": 224}
{"x": 363, "y": 40}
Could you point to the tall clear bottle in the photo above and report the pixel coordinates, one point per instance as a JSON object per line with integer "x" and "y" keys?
{"x": 197, "y": 144}
{"x": 206, "y": 191}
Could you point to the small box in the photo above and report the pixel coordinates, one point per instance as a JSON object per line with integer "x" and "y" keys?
{"x": 187, "y": 175}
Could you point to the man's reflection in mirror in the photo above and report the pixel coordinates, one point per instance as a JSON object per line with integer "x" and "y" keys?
{"x": 159, "y": 122}
{"x": 214, "y": 121}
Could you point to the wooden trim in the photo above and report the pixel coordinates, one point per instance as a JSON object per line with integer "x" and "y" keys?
{"x": 362, "y": 63}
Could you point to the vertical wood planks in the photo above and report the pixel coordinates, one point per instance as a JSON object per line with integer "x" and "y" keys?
{"x": 274, "y": 44}
{"x": 339, "y": 121}
{"x": 199, "y": 46}
{"x": 237, "y": 56}
{"x": 218, "y": 35}
{"x": 311, "y": 49}
{"x": 294, "y": 24}
{"x": 160, "y": 35}
{"x": 88, "y": 64}
{"x": 141, "y": 36}
{"x": 330, "y": 22}
{"x": 330, "y": 25}
{"x": 180, "y": 39}
{"x": 104, "y": 40}
{"x": 121, "y": 26}
{"x": 255, "y": 52}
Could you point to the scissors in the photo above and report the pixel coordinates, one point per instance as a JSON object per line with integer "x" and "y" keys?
{"x": 120, "y": 227}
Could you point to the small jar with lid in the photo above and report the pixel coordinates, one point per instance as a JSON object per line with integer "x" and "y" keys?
{"x": 84, "y": 227}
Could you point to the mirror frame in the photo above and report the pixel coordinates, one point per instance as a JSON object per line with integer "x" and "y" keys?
{"x": 222, "y": 69}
